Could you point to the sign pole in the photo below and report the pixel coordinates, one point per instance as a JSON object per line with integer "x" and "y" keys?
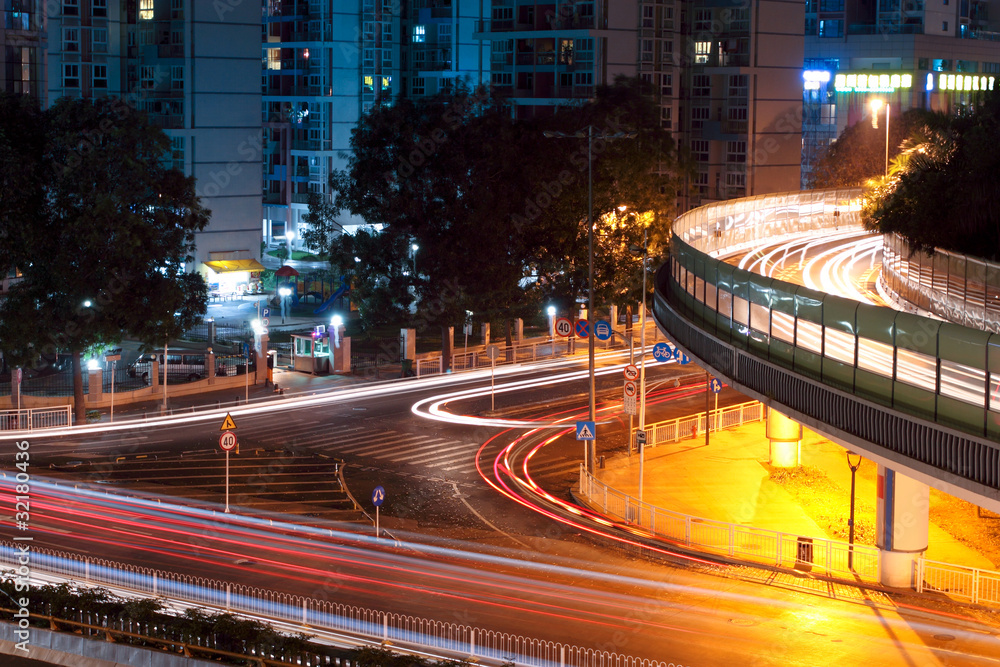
{"x": 113, "y": 363}
{"x": 631, "y": 362}
{"x": 227, "y": 481}
{"x": 493, "y": 368}
{"x": 376, "y": 522}
{"x": 246, "y": 398}
{"x": 708, "y": 392}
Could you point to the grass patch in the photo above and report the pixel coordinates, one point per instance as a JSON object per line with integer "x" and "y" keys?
{"x": 826, "y": 503}
{"x": 298, "y": 255}
{"x": 978, "y": 530}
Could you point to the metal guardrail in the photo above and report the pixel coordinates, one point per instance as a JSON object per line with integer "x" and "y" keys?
{"x": 33, "y": 419}
{"x": 736, "y": 541}
{"x": 461, "y": 640}
{"x": 968, "y": 583}
{"x": 672, "y": 430}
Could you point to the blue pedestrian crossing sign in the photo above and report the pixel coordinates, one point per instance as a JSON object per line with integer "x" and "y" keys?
{"x": 586, "y": 430}
{"x": 715, "y": 385}
{"x": 662, "y": 352}
{"x": 602, "y": 330}
{"x": 378, "y": 496}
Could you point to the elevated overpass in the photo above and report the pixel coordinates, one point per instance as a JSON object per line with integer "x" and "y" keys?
{"x": 919, "y": 396}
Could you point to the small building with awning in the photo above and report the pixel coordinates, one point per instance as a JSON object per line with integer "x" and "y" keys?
{"x": 227, "y": 277}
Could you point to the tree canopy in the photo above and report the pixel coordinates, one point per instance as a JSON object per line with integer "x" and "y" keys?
{"x": 497, "y": 211}
{"x": 100, "y": 236}
{"x": 858, "y": 154}
{"x": 942, "y": 190}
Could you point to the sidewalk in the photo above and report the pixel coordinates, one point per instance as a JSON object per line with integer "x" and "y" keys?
{"x": 728, "y": 482}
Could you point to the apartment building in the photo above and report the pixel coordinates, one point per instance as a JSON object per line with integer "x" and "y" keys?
{"x": 926, "y": 54}
{"x": 194, "y": 67}
{"x": 22, "y": 48}
{"x": 327, "y": 62}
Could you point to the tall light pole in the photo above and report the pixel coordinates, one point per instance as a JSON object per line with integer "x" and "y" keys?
{"x": 876, "y": 106}
{"x": 590, "y": 135}
{"x": 414, "y": 247}
{"x": 289, "y": 237}
{"x": 850, "y": 523}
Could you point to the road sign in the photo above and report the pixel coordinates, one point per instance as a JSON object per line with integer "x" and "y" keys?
{"x": 631, "y": 372}
{"x": 630, "y": 405}
{"x": 582, "y": 328}
{"x": 662, "y": 352}
{"x": 492, "y": 351}
{"x": 378, "y": 496}
{"x": 20, "y": 375}
{"x": 586, "y": 430}
{"x": 113, "y": 357}
{"x": 227, "y": 441}
{"x": 564, "y": 327}
{"x": 640, "y": 437}
{"x": 681, "y": 357}
{"x": 602, "y": 330}
{"x": 265, "y": 322}
{"x": 630, "y": 389}
{"x": 246, "y": 349}
{"x": 265, "y": 312}
{"x": 228, "y": 424}
{"x": 715, "y": 385}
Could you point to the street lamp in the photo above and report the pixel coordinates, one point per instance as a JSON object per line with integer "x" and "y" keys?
{"x": 285, "y": 292}
{"x": 642, "y": 361}
{"x": 590, "y": 135}
{"x": 876, "y": 106}
{"x": 414, "y": 248}
{"x": 551, "y": 310}
{"x": 850, "y": 523}
{"x": 289, "y": 237}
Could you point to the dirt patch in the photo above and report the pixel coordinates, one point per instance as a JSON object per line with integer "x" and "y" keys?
{"x": 975, "y": 528}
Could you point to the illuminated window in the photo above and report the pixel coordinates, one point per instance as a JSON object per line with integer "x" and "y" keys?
{"x": 419, "y": 34}
{"x": 701, "y": 52}
{"x": 274, "y": 58}
{"x": 145, "y": 10}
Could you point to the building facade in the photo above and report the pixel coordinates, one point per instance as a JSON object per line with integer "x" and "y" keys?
{"x": 327, "y": 62}
{"x": 22, "y": 48}
{"x": 924, "y": 54}
{"x": 193, "y": 66}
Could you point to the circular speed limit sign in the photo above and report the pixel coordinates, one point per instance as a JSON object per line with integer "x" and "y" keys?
{"x": 227, "y": 441}
{"x": 564, "y": 327}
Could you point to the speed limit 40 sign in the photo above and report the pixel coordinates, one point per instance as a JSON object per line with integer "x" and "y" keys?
{"x": 564, "y": 327}
{"x": 227, "y": 441}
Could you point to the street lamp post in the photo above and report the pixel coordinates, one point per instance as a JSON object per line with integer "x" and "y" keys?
{"x": 589, "y": 459}
{"x": 284, "y": 292}
{"x": 414, "y": 247}
{"x": 289, "y": 237}
{"x": 876, "y": 106}
{"x": 850, "y": 523}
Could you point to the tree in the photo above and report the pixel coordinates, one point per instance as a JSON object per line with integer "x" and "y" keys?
{"x": 942, "y": 190}
{"x": 103, "y": 254}
{"x": 859, "y": 153}
{"x": 322, "y": 222}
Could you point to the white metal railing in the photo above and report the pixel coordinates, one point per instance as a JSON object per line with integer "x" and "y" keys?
{"x": 758, "y": 545}
{"x": 969, "y": 583}
{"x": 461, "y": 640}
{"x": 33, "y": 419}
{"x": 672, "y": 430}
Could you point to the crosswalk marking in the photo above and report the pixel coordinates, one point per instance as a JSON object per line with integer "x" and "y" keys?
{"x": 432, "y": 454}
{"x": 391, "y": 445}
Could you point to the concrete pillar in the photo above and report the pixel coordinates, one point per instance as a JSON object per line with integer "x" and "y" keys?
{"x": 341, "y": 353}
{"x": 408, "y": 343}
{"x": 95, "y": 387}
{"x": 154, "y": 373}
{"x": 486, "y": 333}
{"x": 518, "y": 330}
{"x": 614, "y": 316}
{"x": 447, "y": 345}
{"x": 902, "y": 522}
{"x": 210, "y": 365}
{"x": 261, "y": 361}
{"x": 786, "y": 440}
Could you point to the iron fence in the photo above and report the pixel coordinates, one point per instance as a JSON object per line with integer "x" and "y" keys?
{"x": 672, "y": 430}
{"x": 31, "y": 419}
{"x": 758, "y": 545}
{"x": 968, "y": 583}
{"x": 464, "y": 641}
{"x": 375, "y": 352}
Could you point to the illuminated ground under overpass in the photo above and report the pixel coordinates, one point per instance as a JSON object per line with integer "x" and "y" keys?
{"x": 911, "y": 393}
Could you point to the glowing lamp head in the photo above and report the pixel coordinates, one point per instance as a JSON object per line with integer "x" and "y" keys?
{"x": 336, "y": 321}
{"x": 87, "y": 303}
{"x": 285, "y": 291}
{"x": 551, "y": 310}
{"x": 415, "y": 247}
{"x": 290, "y": 235}
{"x": 93, "y": 365}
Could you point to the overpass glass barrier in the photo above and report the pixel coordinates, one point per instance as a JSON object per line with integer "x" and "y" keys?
{"x": 936, "y": 371}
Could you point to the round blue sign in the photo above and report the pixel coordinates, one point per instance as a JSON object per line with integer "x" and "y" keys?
{"x": 715, "y": 385}
{"x": 582, "y": 328}
{"x": 602, "y": 330}
{"x": 662, "y": 352}
{"x": 681, "y": 357}
{"x": 378, "y": 496}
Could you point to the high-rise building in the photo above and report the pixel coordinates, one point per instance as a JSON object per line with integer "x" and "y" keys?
{"x": 194, "y": 67}
{"x": 926, "y": 54}
{"x": 327, "y": 62}
{"x": 22, "y": 48}
{"x": 727, "y": 77}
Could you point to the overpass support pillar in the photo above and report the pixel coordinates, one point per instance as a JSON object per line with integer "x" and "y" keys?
{"x": 786, "y": 440}
{"x": 902, "y": 522}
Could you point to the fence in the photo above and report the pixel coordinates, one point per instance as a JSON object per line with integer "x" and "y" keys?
{"x": 30, "y": 419}
{"x": 757, "y": 545}
{"x": 225, "y": 334}
{"x": 672, "y": 430}
{"x": 462, "y": 641}
{"x": 969, "y": 583}
{"x": 387, "y": 352}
